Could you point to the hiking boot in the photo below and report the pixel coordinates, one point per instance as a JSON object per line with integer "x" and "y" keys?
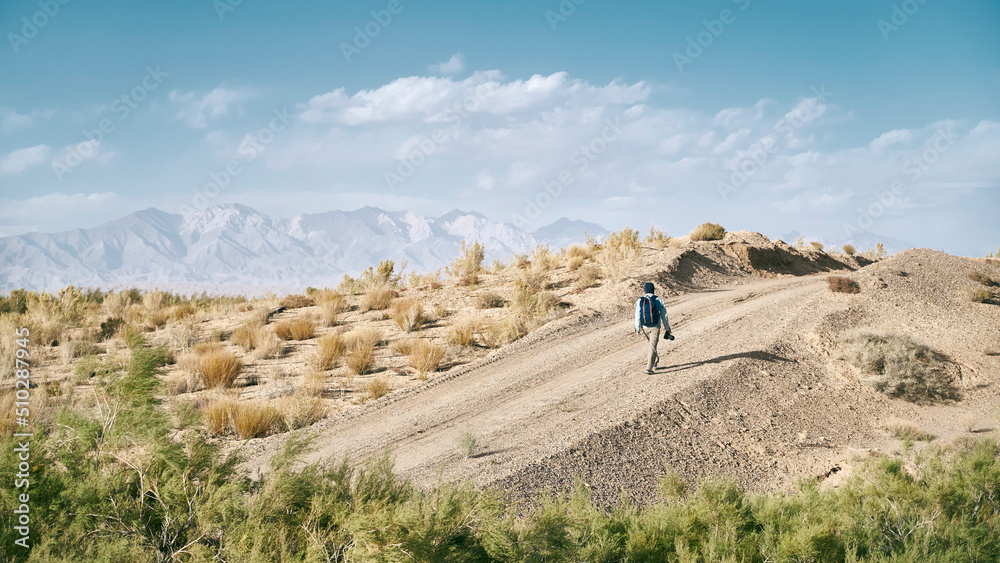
{"x": 649, "y": 372}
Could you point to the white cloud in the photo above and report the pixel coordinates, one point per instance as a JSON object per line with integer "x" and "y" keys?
{"x": 196, "y": 110}
{"x": 10, "y": 119}
{"x": 454, "y": 65}
{"x": 888, "y": 139}
{"x": 22, "y": 159}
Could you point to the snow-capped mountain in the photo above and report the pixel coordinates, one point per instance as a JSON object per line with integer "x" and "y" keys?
{"x": 235, "y": 248}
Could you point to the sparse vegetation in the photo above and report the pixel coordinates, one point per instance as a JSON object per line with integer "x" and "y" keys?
{"x": 840, "y": 284}
{"x": 707, "y": 231}
{"x": 469, "y": 262}
{"x": 817, "y": 245}
{"x": 490, "y": 300}
{"x": 295, "y": 329}
{"x": 408, "y": 314}
{"x": 617, "y": 252}
{"x": 329, "y": 349}
{"x": 463, "y": 332}
{"x": 656, "y": 237}
{"x": 220, "y": 368}
{"x": 979, "y": 294}
{"x": 425, "y": 357}
{"x": 360, "y": 356}
{"x": 254, "y": 419}
{"x": 900, "y": 367}
{"x": 848, "y": 249}
{"x": 467, "y": 443}
{"x": 908, "y": 432}
{"x": 504, "y": 331}
{"x": 300, "y": 411}
{"x": 378, "y": 298}
{"x": 378, "y": 387}
{"x": 587, "y": 277}
{"x": 982, "y": 279}
{"x": 297, "y": 302}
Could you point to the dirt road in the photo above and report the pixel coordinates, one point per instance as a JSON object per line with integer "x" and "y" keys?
{"x": 570, "y": 380}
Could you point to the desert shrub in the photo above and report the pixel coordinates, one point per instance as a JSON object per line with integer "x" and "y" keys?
{"x": 314, "y": 384}
{"x": 979, "y": 294}
{"x": 840, "y": 284}
{"x": 657, "y": 237}
{"x": 408, "y": 314}
{"x": 403, "y": 345}
{"x": 328, "y": 313}
{"x": 530, "y": 303}
{"x": 378, "y": 298}
{"x": 297, "y": 302}
{"x": 707, "y": 231}
{"x": 329, "y": 349}
{"x": 218, "y": 415}
{"x": 220, "y": 368}
{"x": 983, "y": 279}
{"x": 498, "y": 266}
{"x": 817, "y": 245}
{"x": 574, "y": 262}
{"x": 587, "y": 277}
{"x": 617, "y": 252}
{"x": 300, "y": 411}
{"x": 425, "y": 357}
{"x": 466, "y": 442}
{"x": 899, "y": 366}
{"x": 849, "y": 249}
{"x": 875, "y": 255}
{"x": 577, "y": 250}
{"x": 490, "y": 300}
{"x": 255, "y": 419}
{"x": 469, "y": 261}
{"x": 247, "y": 335}
{"x": 110, "y": 327}
{"x": 908, "y": 432}
{"x": 360, "y": 356}
{"x": 543, "y": 259}
{"x": 378, "y": 387}
{"x": 463, "y": 332}
{"x": 268, "y": 345}
{"x": 296, "y": 329}
{"x": 505, "y": 331}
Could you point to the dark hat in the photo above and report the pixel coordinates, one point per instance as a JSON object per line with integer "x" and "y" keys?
{"x": 648, "y": 288}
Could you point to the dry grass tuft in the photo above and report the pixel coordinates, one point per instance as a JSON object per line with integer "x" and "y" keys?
{"x": 618, "y": 252}
{"x": 505, "y": 331}
{"x": 248, "y": 335}
{"x": 378, "y": 387}
{"x": 657, "y": 237}
{"x": 254, "y": 419}
{"x": 425, "y": 357}
{"x": 979, "y": 294}
{"x": 490, "y": 300}
{"x": 220, "y": 368}
{"x": 849, "y": 249}
{"x": 817, "y": 245}
{"x": 314, "y": 384}
{"x": 840, "y": 284}
{"x": 983, "y": 279}
{"x": 329, "y": 349}
{"x": 573, "y": 263}
{"x": 378, "y": 298}
{"x": 360, "y": 357}
{"x": 297, "y": 329}
{"x": 218, "y": 415}
{"x": 297, "y": 302}
{"x": 467, "y": 443}
{"x": 899, "y": 366}
{"x": 908, "y": 432}
{"x": 301, "y": 411}
{"x": 463, "y": 332}
{"x": 408, "y": 314}
{"x": 587, "y": 277}
{"x": 469, "y": 261}
{"x": 707, "y": 231}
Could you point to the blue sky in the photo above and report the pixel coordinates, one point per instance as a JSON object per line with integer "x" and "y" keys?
{"x": 849, "y": 116}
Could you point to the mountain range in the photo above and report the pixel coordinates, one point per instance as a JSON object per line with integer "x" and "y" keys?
{"x": 233, "y": 248}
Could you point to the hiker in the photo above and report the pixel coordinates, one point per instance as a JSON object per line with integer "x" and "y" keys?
{"x": 649, "y": 314}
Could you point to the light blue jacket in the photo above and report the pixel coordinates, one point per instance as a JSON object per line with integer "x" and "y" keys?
{"x": 664, "y": 322}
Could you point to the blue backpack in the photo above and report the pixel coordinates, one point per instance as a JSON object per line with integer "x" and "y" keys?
{"x": 649, "y": 314}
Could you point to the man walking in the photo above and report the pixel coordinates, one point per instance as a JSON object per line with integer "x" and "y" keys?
{"x": 649, "y": 314}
